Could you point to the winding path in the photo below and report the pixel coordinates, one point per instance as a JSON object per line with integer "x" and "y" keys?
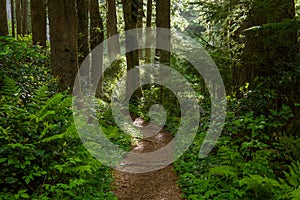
{"x": 156, "y": 185}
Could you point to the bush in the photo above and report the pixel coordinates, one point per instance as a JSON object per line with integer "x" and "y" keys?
{"x": 41, "y": 155}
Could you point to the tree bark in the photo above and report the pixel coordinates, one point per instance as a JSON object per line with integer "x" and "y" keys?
{"x": 83, "y": 30}
{"x": 12, "y": 10}
{"x": 269, "y": 53}
{"x": 97, "y": 37}
{"x": 163, "y": 21}
{"x": 113, "y": 46}
{"x": 63, "y": 38}
{"x": 25, "y": 30}
{"x": 132, "y": 57}
{"x": 148, "y": 34}
{"x": 264, "y": 48}
{"x": 140, "y": 17}
{"x": 3, "y": 18}
{"x": 19, "y": 17}
{"x": 38, "y": 22}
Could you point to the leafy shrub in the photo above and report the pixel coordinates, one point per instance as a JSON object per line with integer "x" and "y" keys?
{"x": 249, "y": 159}
{"x": 28, "y": 65}
{"x": 41, "y": 155}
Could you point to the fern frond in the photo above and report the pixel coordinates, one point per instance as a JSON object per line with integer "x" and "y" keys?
{"x": 293, "y": 176}
{"x": 10, "y": 87}
{"x": 41, "y": 94}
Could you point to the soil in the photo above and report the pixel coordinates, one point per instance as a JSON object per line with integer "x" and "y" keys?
{"x": 155, "y": 185}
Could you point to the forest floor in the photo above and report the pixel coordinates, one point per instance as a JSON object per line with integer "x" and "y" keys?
{"x": 156, "y": 185}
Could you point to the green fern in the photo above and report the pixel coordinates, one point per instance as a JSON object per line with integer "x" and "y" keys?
{"x": 293, "y": 177}
{"x": 10, "y": 87}
{"x": 41, "y": 94}
{"x": 224, "y": 171}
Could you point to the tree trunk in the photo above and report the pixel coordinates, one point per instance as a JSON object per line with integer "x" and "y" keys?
{"x": 163, "y": 38}
{"x": 163, "y": 21}
{"x": 97, "y": 37}
{"x": 148, "y": 34}
{"x": 25, "y": 29}
{"x": 269, "y": 53}
{"x": 19, "y": 17}
{"x": 12, "y": 11}
{"x": 132, "y": 57}
{"x": 63, "y": 38}
{"x": 262, "y": 52}
{"x": 3, "y": 18}
{"x": 38, "y": 22}
{"x": 83, "y": 30}
{"x": 140, "y": 12}
{"x": 113, "y": 46}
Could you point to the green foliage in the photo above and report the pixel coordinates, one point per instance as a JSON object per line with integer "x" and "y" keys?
{"x": 25, "y": 63}
{"x": 250, "y": 158}
{"x": 41, "y": 155}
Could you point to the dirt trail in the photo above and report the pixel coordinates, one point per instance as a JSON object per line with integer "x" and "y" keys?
{"x": 156, "y": 185}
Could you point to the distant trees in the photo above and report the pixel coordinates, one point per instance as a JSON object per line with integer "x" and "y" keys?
{"x": 3, "y": 18}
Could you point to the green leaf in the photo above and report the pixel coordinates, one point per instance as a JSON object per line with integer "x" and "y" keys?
{"x": 10, "y": 180}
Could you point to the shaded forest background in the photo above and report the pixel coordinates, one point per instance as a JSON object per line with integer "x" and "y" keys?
{"x": 254, "y": 43}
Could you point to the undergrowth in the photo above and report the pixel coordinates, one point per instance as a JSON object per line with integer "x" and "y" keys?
{"x": 41, "y": 154}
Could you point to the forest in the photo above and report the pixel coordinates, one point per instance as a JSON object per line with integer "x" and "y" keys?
{"x": 149, "y": 99}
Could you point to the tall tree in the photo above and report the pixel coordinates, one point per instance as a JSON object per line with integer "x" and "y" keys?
{"x": 163, "y": 21}
{"x": 25, "y": 29}
{"x": 114, "y": 45}
{"x": 132, "y": 57}
{"x": 38, "y": 22}
{"x": 96, "y": 38}
{"x": 3, "y": 18}
{"x": 264, "y": 46}
{"x": 63, "y": 38}
{"x": 148, "y": 33}
{"x": 83, "y": 30}
{"x": 12, "y": 15}
{"x": 19, "y": 17}
{"x": 140, "y": 17}
{"x": 270, "y": 45}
